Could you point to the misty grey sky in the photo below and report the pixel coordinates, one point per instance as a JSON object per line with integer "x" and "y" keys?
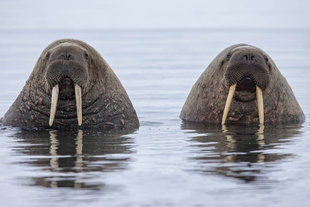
{"x": 105, "y": 14}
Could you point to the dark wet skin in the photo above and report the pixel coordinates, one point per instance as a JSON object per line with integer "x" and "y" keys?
{"x": 69, "y": 63}
{"x": 249, "y": 68}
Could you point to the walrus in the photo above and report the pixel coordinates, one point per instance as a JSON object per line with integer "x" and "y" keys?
{"x": 242, "y": 85}
{"x": 70, "y": 87}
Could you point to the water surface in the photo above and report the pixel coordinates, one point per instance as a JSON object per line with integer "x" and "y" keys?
{"x": 165, "y": 162}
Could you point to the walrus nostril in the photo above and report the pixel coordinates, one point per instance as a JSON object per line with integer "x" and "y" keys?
{"x": 246, "y": 84}
{"x": 248, "y": 57}
{"x": 66, "y": 56}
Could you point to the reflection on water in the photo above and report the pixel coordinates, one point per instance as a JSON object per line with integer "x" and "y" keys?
{"x": 238, "y": 151}
{"x": 73, "y": 159}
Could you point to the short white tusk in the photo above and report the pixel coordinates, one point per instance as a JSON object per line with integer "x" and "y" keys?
{"x": 260, "y": 104}
{"x": 78, "y": 99}
{"x": 54, "y": 99}
{"x": 228, "y": 102}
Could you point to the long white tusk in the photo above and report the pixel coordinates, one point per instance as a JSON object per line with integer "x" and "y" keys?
{"x": 260, "y": 104}
{"x": 228, "y": 102}
{"x": 54, "y": 99}
{"x": 78, "y": 99}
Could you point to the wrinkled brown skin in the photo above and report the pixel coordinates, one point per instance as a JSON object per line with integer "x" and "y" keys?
{"x": 206, "y": 100}
{"x": 106, "y": 104}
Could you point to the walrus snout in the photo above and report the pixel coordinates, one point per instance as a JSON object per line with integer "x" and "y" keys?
{"x": 67, "y": 74}
{"x": 247, "y": 75}
{"x": 60, "y": 69}
{"x": 247, "y": 63}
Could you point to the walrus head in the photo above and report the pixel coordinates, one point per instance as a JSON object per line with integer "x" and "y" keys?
{"x": 242, "y": 85}
{"x": 66, "y": 74}
{"x": 72, "y": 87}
{"x": 247, "y": 75}
{"x": 248, "y": 68}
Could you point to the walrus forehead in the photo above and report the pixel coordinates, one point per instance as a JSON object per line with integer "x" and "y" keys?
{"x": 67, "y": 45}
{"x": 245, "y": 47}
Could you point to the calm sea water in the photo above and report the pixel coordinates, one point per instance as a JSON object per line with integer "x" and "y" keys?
{"x": 165, "y": 162}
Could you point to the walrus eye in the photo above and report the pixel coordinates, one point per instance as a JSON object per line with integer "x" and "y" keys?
{"x": 47, "y": 56}
{"x": 267, "y": 62}
{"x": 228, "y": 56}
{"x": 86, "y": 56}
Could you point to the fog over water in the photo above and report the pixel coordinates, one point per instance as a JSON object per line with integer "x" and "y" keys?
{"x": 154, "y": 14}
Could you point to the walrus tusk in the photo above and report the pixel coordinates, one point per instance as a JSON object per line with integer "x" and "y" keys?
{"x": 54, "y": 99}
{"x": 260, "y": 104}
{"x": 78, "y": 100}
{"x": 228, "y": 102}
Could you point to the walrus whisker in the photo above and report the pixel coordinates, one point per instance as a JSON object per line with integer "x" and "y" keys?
{"x": 260, "y": 104}
{"x": 228, "y": 102}
{"x": 54, "y": 99}
{"x": 78, "y": 100}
